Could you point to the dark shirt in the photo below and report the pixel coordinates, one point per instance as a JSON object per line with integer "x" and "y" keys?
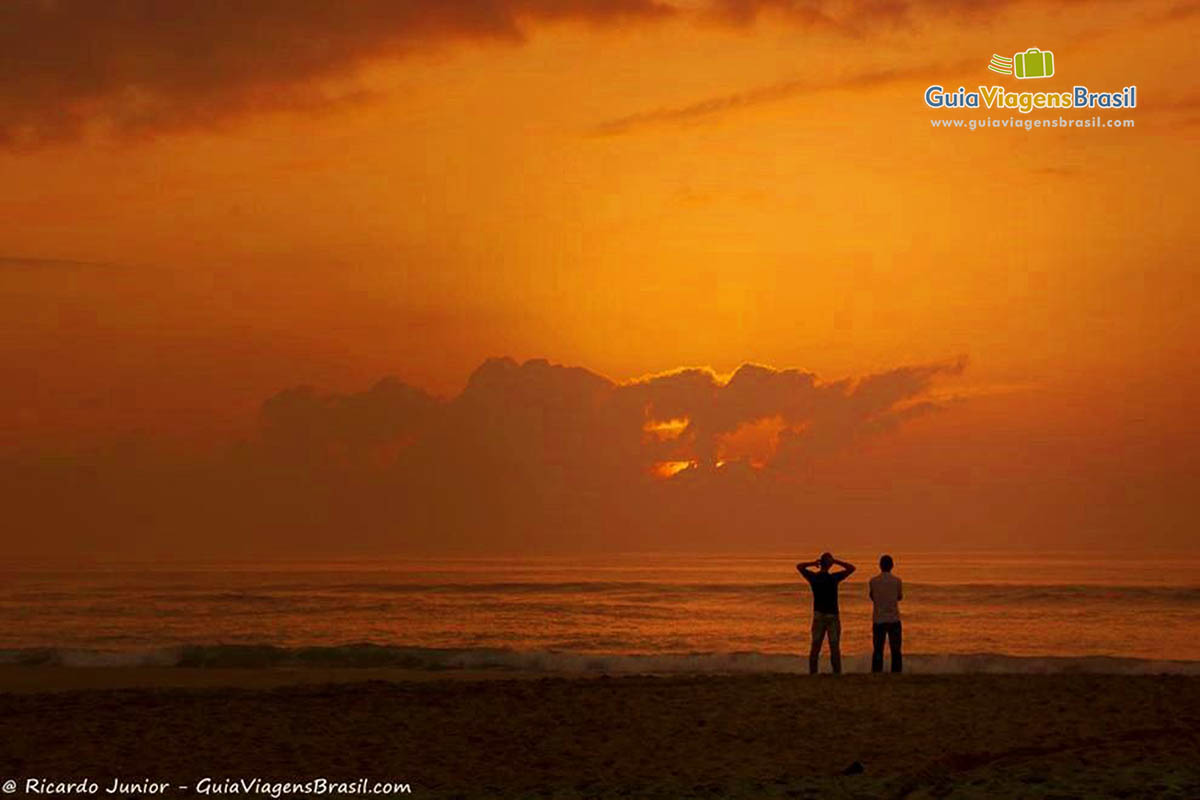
{"x": 825, "y": 589}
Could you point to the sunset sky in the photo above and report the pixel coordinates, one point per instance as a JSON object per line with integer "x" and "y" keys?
{"x": 206, "y": 206}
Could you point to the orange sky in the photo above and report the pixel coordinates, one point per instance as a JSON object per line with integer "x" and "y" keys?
{"x": 623, "y": 185}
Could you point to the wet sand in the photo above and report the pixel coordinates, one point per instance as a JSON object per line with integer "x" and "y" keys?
{"x": 502, "y": 735}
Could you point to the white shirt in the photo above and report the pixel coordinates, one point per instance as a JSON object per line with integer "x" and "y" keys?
{"x": 886, "y": 592}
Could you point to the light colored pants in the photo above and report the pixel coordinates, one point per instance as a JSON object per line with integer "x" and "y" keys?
{"x": 826, "y": 625}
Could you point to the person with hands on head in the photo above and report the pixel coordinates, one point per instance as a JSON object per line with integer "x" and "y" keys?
{"x": 824, "y": 585}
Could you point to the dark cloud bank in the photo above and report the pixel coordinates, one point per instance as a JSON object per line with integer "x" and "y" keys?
{"x": 140, "y": 67}
{"x": 529, "y": 456}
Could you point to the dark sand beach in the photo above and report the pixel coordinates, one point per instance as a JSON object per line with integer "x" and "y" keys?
{"x": 502, "y": 735}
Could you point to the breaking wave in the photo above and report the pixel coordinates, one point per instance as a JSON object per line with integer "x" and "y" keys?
{"x": 570, "y": 662}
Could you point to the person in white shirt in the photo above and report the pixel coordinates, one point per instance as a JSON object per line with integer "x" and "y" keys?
{"x": 886, "y": 592}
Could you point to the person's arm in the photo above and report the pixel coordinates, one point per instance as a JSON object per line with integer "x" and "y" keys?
{"x": 805, "y": 567}
{"x": 847, "y": 568}
{"x": 899, "y": 590}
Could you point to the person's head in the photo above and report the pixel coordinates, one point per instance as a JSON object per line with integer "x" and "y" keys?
{"x": 826, "y": 560}
{"x": 886, "y": 563}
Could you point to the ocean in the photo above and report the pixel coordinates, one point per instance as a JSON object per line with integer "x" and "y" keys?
{"x": 989, "y": 612}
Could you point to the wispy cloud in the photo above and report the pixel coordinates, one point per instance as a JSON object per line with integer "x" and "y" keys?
{"x": 771, "y": 93}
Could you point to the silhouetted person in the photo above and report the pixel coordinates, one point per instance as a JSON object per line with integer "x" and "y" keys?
{"x": 886, "y": 592}
{"x": 824, "y": 586}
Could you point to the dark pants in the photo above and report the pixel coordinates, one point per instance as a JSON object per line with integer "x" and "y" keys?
{"x": 826, "y": 625}
{"x": 890, "y": 631}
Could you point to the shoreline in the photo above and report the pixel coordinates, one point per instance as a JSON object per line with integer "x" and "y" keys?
{"x": 45, "y": 678}
{"x": 486, "y": 660}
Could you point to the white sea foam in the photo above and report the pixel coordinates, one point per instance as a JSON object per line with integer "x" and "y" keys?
{"x": 572, "y": 662}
